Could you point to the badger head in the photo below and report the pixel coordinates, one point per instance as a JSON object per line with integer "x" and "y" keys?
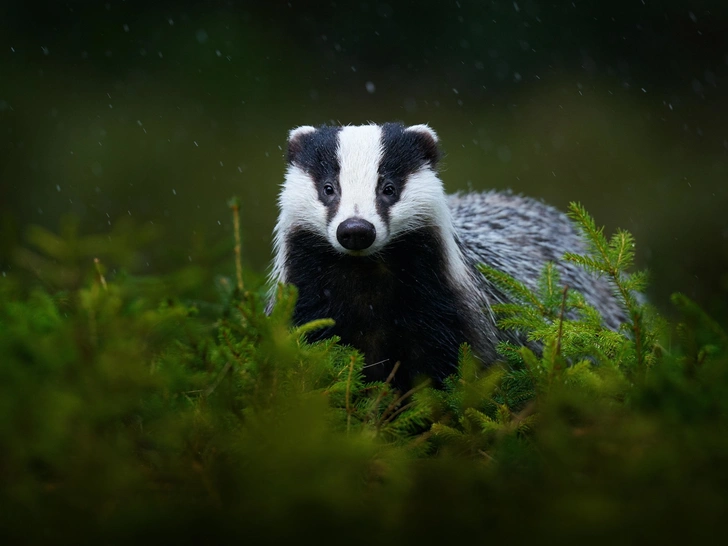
{"x": 358, "y": 188}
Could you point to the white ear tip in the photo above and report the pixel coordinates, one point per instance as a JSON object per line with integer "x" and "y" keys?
{"x": 298, "y": 131}
{"x": 423, "y": 128}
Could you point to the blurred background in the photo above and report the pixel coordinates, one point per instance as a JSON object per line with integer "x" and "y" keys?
{"x": 136, "y": 121}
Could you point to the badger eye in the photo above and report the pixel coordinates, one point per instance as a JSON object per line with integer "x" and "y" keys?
{"x": 328, "y": 189}
{"x": 388, "y": 190}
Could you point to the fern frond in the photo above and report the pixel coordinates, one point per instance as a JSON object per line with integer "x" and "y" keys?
{"x": 312, "y": 326}
{"x": 595, "y": 238}
{"x": 508, "y": 284}
{"x": 587, "y": 262}
{"x": 636, "y": 282}
{"x": 446, "y": 432}
{"x": 621, "y": 250}
{"x": 485, "y": 423}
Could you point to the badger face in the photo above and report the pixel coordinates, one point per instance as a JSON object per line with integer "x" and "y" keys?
{"x": 360, "y": 187}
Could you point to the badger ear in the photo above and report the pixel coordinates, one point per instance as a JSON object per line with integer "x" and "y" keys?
{"x": 427, "y": 139}
{"x": 425, "y": 130}
{"x": 298, "y": 131}
{"x": 296, "y": 140}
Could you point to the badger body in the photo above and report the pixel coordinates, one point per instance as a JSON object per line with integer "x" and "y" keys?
{"x": 370, "y": 239}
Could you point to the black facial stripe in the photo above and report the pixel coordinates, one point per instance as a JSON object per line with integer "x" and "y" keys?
{"x": 316, "y": 152}
{"x": 331, "y": 201}
{"x": 403, "y": 153}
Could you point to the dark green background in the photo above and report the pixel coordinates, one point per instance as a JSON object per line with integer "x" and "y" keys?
{"x": 159, "y": 111}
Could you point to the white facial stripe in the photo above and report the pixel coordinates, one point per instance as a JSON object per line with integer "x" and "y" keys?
{"x": 299, "y": 205}
{"x": 359, "y": 154}
{"x": 299, "y": 202}
{"x": 421, "y": 204}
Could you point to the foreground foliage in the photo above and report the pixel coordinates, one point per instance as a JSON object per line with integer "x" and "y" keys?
{"x": 130, "y": 414}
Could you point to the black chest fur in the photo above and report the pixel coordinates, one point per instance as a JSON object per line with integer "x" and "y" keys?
{"x": 395, "y": 306}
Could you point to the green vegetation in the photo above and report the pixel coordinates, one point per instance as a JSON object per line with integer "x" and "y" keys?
{"x": 130, "y": 412}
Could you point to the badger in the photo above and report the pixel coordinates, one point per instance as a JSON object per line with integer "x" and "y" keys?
{"x": 371, "y": 240}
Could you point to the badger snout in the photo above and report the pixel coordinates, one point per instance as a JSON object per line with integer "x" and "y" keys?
{"x": 356, "y": 234}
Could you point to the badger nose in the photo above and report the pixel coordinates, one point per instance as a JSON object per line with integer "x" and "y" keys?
{"x": 356, "y": 234}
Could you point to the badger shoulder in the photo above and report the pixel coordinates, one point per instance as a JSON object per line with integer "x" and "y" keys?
{"x": 519, "y": 235}
{"x": 495, "y": 225}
